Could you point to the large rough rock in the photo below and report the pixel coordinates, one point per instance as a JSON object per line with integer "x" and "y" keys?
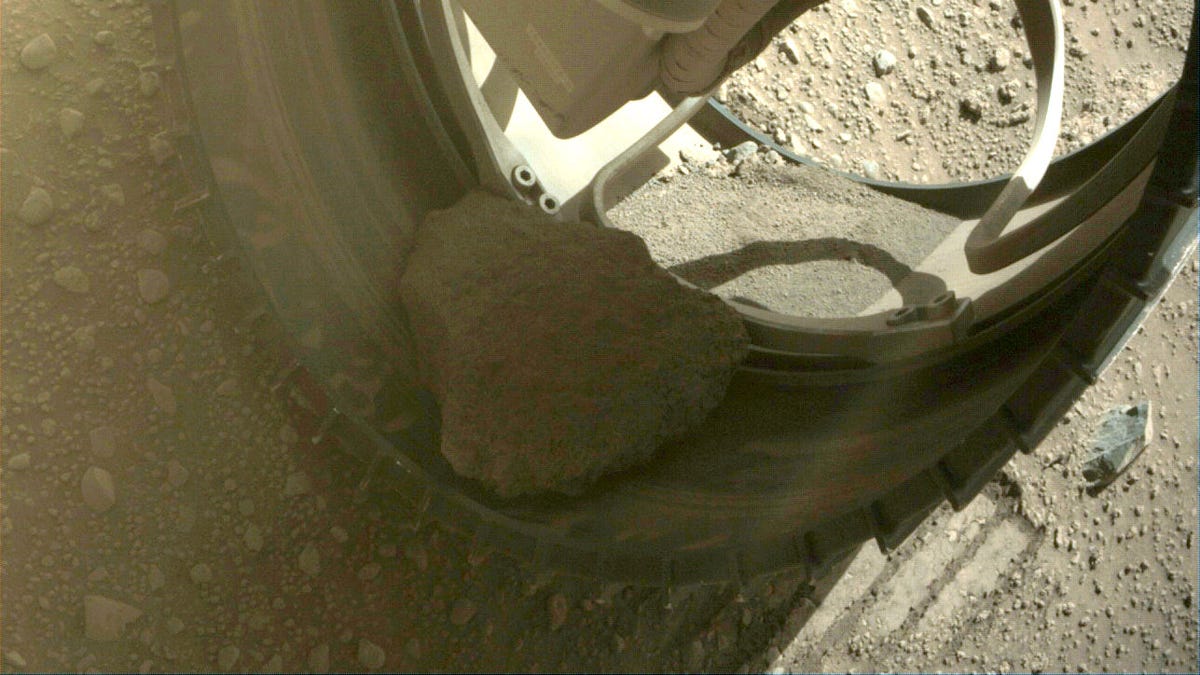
{"x": 558, "y": 351}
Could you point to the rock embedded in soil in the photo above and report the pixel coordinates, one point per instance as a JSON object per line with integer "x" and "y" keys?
{"x": 103, "y": 441}
{"x": 227, "y": 657}
{"x": 97, "y": 489}
{"x": 318, "y": 658}
{"x": 163, "y": 396}
{"x": 200, "y": 573}
{"x": 462, "y": 612}
{"x": 558, "y": 351}
{"x": 73, "y": 279}
{"x": 875, "y": 93}
{"x": 153, "y": 285}
{"x": 39, "y": 52}
{"x": 309, "y": 560}
{"x": 104, "y": 619}
{"x": 371, "y": 655}
{"x": 70, "y": 122}
{"x": 37, "y": 207}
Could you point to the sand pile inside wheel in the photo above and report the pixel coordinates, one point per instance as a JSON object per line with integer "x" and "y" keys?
{"x": 558, "y": 352}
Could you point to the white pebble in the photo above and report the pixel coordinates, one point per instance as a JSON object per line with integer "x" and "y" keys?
{"x": 103, "y": 441}
{"x": 201, "y": 573}
{"x": 875, "y": 93}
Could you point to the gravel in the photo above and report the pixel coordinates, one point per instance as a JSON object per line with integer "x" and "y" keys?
{"x": 1120, "y": 57}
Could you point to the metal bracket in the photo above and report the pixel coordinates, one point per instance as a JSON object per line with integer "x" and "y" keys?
{"x": 501, "y": 167}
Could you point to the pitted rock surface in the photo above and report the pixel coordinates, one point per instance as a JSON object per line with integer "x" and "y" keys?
{"x": 558, "y": 351}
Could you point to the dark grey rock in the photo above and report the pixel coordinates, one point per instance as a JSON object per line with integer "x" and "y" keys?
{"x": 1124, "y": 432}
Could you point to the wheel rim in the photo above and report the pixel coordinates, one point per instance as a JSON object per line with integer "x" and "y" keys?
{"x": 758, "y": 488}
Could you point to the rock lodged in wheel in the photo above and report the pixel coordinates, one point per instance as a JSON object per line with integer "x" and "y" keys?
{"x": 558, "y": 351}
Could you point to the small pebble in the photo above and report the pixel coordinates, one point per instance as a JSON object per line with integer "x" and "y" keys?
{"x": 999, "y": 59}
{"x": 875, "y": 93}
{"x": 151, "y": 241}
{"x": 309, "y": 560}
{"x": 318, "y": 658}
{"x": 296, "y": 484}
{"x": 70, "y": 122}
{"x": 97, "y": 489}
{"x": 253, "y": 538}
{"x": 96, "y": 86}
{"x": 19, "y": 461}
{"x": 925, "y": 16}
{"x": 558, "y": 608}
{"x": 177, "y": 474}
{"x": 164, "y": 397}
{"x": 884, "y": 62}
{"x": 103, "y": 441}
{"x": 228, "y": 656}
{"x": 155, "y": 578}
{"x": 160, "y": 150}
{"x": 153, "y": 285}
{"x": 104, "y": 38}
{"x": 105, "y": 619}
{"x": 114, "y": 193}
{"x": 72, "y": 279}
{"x": 39, "y": 52}
{"x": 149, "y": 83}
{"x": 371, "y": 655}
{"x": 462, "y": 612}
{"x": 369, "y": 571}
{"x": 37, "y": 207}
{"x": 14, "y": 659}
{"x": 201, "y": 573}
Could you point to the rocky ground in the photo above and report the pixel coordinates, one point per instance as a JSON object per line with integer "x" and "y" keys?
{"x": 160, "y": 511}
{"x": 935, "y": 91}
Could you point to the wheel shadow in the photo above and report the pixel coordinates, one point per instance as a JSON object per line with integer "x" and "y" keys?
{"x": 712, "y": 271}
